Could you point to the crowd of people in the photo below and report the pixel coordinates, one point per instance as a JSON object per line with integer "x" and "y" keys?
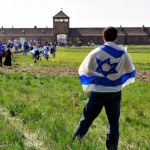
{"x": 37, "y": 49}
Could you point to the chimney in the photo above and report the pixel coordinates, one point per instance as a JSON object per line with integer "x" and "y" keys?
{"x": 143, "y": 28}
{"x": 121, "y": 28}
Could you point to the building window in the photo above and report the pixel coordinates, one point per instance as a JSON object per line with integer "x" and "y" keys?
{"x": 56, "y": 20}
{"x": 61, "y": 20}
{"x": 65, "y": 20}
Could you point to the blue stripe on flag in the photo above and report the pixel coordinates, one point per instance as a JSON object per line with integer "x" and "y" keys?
{"x": 106, "y": 82}
{"x": 112, "y": 51}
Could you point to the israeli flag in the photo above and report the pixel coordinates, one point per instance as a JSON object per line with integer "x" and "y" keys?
{"x": 107, "y": 68}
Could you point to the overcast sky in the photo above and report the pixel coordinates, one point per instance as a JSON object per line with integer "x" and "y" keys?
{"x": 82, "y": 13}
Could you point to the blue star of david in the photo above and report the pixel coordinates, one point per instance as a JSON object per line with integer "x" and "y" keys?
{"x": 112, "y": 66}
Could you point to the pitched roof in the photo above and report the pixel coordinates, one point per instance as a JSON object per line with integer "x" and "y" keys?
{"x": 26, "y": 32}
{"x": 131, "y": 31}
{"x": 134, "y": 31}
{"x": 61, "y": 14}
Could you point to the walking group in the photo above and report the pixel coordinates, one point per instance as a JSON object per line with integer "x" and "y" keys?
{"x": 38, "y": 49}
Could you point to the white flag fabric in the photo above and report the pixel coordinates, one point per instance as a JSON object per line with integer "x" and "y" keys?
{"x": 107, "y": 68}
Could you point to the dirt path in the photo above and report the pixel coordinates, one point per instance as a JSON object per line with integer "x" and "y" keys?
{"x": 143, "y": 75}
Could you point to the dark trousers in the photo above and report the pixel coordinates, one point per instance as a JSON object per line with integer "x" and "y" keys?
{"x": 94, "y": 105}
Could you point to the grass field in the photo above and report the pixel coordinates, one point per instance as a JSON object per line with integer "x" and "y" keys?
{"x": 43, "y": 102}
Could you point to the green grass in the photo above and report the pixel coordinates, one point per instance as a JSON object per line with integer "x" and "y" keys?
{"x": 72, "y": 57}
{"x": 10, "y": 138}
{"x": 51, "y": 106}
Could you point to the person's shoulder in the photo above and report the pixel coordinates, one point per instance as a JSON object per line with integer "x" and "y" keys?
{"x": 122, "y": 48}
{"x": 95, "y": 51}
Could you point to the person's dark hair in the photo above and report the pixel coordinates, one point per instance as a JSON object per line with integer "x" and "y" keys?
{"x": 110, "y": 34}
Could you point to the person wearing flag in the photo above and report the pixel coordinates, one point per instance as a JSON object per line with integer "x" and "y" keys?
{"x": 104, "y": 72}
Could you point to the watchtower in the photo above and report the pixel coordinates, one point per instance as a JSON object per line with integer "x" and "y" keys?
{"x": 60, "y": 26}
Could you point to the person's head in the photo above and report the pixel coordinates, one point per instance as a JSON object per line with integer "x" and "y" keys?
{"x": 110, "y": 34}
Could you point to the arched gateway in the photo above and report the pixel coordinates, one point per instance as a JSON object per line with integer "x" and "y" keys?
{"x": 61, "y": 38}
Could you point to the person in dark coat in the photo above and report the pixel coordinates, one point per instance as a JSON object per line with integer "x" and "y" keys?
{"x": 8, "y": 57}
{"x": 1, "y": 56}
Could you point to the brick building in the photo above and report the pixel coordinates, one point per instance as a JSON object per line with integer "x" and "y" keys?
{"x": 61, "y": 31}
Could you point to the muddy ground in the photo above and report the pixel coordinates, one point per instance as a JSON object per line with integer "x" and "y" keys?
{"x": 143, "y": 75}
